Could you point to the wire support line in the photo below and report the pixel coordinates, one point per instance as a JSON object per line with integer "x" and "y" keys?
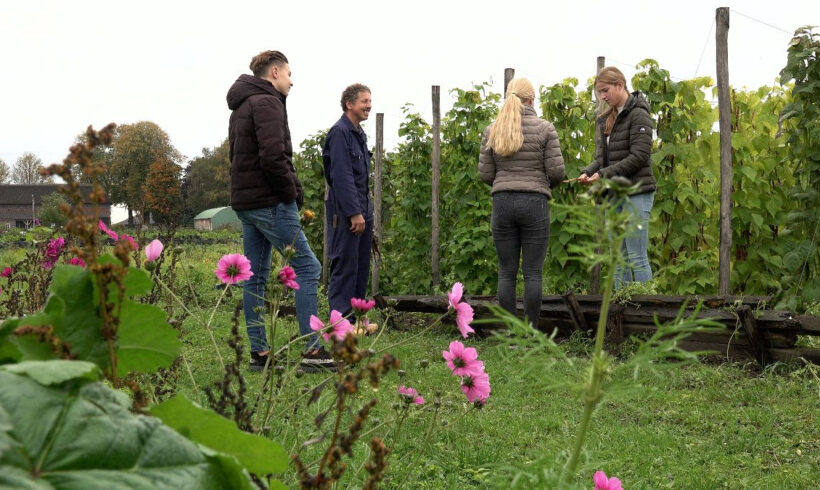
{"x": 762, "y": 22}
{"x": 703, "y": 51}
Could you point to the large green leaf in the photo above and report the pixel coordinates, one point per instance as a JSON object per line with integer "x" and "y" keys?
{"x": 56, "y": 371}
{"x": 146, "y": 341}
{"x": 81, "y": 434}
{"x": 259, "y": 455}
{"x": 80, "y": 325}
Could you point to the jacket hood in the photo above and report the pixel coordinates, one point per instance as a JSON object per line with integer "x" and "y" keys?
{"x": 637, "y": 99}
{"x": 247, "y": 85}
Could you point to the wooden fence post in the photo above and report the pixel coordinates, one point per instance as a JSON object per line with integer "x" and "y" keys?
{"x": 377, "y": 202}
{"x": 725, "y": 124}
{"x": 509, "y": 74}
{"x": 595, "y": 279}
{"x": 436, "y": 157}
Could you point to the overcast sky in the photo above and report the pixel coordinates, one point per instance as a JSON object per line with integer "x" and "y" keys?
{"x": 68, "y": 64}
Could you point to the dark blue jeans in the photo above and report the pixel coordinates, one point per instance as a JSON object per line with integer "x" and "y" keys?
{"x": 263, "y": 229}
{"x": 521, "y": 230}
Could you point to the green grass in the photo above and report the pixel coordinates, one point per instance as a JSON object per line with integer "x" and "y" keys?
{"x": 693, "y": 426}
{"x": 696, "y": 426}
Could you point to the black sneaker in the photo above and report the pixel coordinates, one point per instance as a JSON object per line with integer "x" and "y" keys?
{"x": 316, "y": 360}
{"x": 258, "y": 361}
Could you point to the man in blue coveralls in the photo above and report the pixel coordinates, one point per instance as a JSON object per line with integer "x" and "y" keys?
{"x": 349, "y": 211}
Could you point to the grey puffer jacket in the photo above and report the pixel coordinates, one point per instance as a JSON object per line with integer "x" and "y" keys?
{"x": 536, "y": 167}
{"x": 630, "y": 144}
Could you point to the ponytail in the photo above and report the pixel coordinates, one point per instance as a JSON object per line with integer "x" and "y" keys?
{"x": 506, "y": 136}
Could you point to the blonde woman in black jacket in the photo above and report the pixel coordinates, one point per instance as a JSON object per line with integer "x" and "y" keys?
{"x": 521, "y": 159}
{"x": 624, "y": 151}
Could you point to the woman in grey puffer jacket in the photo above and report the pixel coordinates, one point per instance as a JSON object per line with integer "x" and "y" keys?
{"x": 521, "y": 159}
{"x": 624, "y": 151}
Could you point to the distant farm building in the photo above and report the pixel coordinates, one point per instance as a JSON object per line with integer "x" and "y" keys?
{"x": 20, "y": 204}
{"x": 217, "y": 218}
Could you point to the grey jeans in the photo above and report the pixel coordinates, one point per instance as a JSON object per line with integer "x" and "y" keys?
{"x": 521, "y": 230}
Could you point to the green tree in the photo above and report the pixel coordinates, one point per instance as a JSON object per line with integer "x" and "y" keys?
{"x": 50, "y": 213}
{"x": 26, "y": 170}
{"x": 207, "y": 183}
{"x": 5, "y": 172}
{"x": 136, "y": 147}
{"x": 163, "y": 192}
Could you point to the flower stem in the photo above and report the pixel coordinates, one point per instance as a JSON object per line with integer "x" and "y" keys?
{"x": 593, "y": 391}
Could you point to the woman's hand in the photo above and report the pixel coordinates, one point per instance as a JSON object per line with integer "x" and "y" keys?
{"x": 584, "y": 179}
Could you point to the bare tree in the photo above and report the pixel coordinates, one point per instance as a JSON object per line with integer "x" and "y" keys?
{"x": 27, "y": 170}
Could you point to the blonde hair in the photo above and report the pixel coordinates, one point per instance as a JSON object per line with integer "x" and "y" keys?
{"x": 506, "y": 136}
{"x": 612, "y": 76}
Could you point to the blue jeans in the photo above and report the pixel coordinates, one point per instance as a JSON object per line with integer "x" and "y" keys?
{"x": 635, "y": 245}
{"x": 278, "y": 227}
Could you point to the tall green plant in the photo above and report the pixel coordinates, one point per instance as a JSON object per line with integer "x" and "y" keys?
{"x": 801, "y": 118}
{"x": 408, "y": 189}
{"x": 467, "y": 250}
{"x": 572, "y": 113}
{"x": 309, "y": 168}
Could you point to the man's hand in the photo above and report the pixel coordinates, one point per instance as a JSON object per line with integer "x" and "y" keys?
{"x": 357, "y": 224}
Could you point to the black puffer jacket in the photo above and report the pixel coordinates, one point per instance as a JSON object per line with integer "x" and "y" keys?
{"x": 630, "y": 144}
{"x": 262, "y": 173}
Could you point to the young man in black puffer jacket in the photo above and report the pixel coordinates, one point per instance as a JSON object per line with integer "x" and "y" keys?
{"x": 267, "y": 195}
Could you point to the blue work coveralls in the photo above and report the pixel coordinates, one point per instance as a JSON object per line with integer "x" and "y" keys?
{"x": 347, "y": 171}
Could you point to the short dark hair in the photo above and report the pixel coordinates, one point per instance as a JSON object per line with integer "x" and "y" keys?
{"x": 351, "y": 93}
{"x": 262, "y": 61}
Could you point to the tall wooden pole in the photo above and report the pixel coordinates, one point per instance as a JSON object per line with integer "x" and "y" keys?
{"x": 725, "y": 123}
{"x": 436, "y": 177}
{"x": 595, "y": 280}
{"x": 509, "y": 74}
{"x": 377, "y": 202}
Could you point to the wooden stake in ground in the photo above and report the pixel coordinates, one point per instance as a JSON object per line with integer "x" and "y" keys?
{"x": 436, "y": 177}
{"x": 595, "y": 279}
{"x": 725, "y": 123}
{"x": 377, "y": 202}
{"x": 509, "y": 74}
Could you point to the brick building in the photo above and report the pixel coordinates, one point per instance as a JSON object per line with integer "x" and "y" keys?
{"x": 20, "y": 203}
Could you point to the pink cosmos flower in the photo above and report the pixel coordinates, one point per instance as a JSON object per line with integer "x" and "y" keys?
{"x": 153, "y": 250}
{"x": 130, "y": 240}
{"x": 462, "y": 361}
{"x": 7, "y": 271}
{"x": 53, "y": 250}
{"x": 602, "y": 483}
{"x": 411, "y": 394}
{"x": 464, "y": 312}
{"x": 107, "y": 231}
{"x": 233, "y": 268}
{"x": 362, "y": 305}
{"x": 339, "y": 326}
{"x": 77, "y": 261}
{"x": 476, "y": 387}
{"x": 287, "y": 276}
